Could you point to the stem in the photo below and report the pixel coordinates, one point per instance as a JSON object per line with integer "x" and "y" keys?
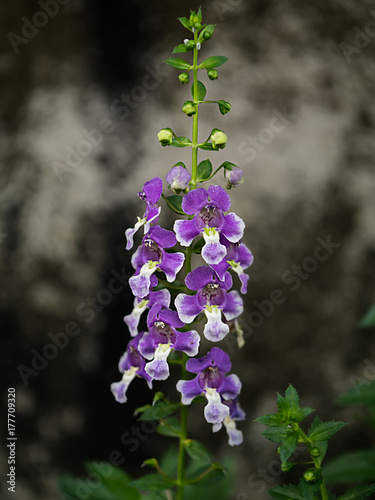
{"x": 194, "y": 165}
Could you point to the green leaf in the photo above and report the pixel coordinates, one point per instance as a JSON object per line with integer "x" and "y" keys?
{"x": 274, "y": 420}
{"x": 114, "y": 479}
{"x": 152, "y": 482}
{"x": 199, "y": 14}
{"x": 204, "y": 170}
{"x": 176, "y": 285}
{"x": 201, "y": 91}
{"x": 360, "y": 394}
{"x": 207, "y": 147}
{"x": 326, "y": 430}
{"x": 78, "y": 488}
{"x": 282, "y": 404}
{"x": 286, "y": 492}
{"x": 169, "y": 427}
{"x": 174, "y": 202}
{"x": 177, "y": 63}
{"x": 351, "y": 468}
{"x": 209, "y": 29}
{"x": 185, "y": 22}
{"x": 321, "y": 445}
{"x": 368, "y": 319}
{"x": 160, "y": 410}
{"x": 169, "y": 461}
{"x": 211, "y": 478}
{"x": 213, "y": 62}
{"x": 179, "y": 49}
{"x": 181, "y": 142}
{"x": 358, "y": 492}
{"x": 292, "y": 398}
{"x": 310, "y": 489}
{"x": 228, "y": 165}
{"x": 288, "y": 447}
{"x": 197, "y": 451}
{"x": 275, "y": 434}
{"x": 300, "y": 414}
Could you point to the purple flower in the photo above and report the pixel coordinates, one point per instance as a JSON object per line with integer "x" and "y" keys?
{"x": 238, "y": 258}
{"x": 235, "y": 413}
{"x": 162, "y": 337}
{"x": 178, "y": 178}
{"x": 212, "y": 383}
{"x": 212, "y": 298}
{"x": 131, "y": 364}
{"x": 162, "y": 297}
{"x": 208, "y": 206}
{"x": 233, "y": 177}
{"x": 151, "y": 194}
{"x": 151, "y": 256}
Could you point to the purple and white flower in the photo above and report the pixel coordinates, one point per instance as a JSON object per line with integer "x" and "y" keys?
{"x": 131, "y": 364}
{"x": 178, "y": 178}
{"x": 238, "y": 258}
{"x": 162, "y": 337}
{"x": 151, "y": 256}
{"x": 162, "y": 297}
{"x": 212, "y": 383}
{"x": 208, "y": 207}
{"x": 235, "y": 413}
{"x": 151, "y": 194}
{"x": 212, "y": 298}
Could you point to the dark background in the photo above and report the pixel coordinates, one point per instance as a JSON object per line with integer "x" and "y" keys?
{"x": 62, "y": 236}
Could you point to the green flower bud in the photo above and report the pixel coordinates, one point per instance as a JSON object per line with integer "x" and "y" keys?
{"x": 224, "y": 107}
{"x": 289, "y": 430}
{"x": 165, "y": 137}
{"x": 309, "y": 476}
{"x": 287, "y": 466}
{"x": 189, "y": 108}
{"x": 207, "y": 35}
{"x": 279, "y": 450}
{"x": 212, "y": 74}
{"x": 218, "y": 139}
{"x": 190, "y": 44}
{"x": 315, "y": 452}
{"x": 184, "y": 77}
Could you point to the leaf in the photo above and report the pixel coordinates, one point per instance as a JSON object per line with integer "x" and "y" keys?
{"x": 275, "y": 434}
{"x": 274, "y": 420}
{"x": 351, "y": 467}
{"x": 361, "y": 393}
{"x": 321, "y": 445}
{"x": 326, "y": 430}
{"x": 204, "y": 170}
{"x": 300, "y": 414}
{"x": 292, "y": 398}
{"x": 185, "y": 22}
{"x": 228, "y": 165}
{"x": 174, "y": 202}
{"x": 282, "y": 404}
{"x": 213, "y": 62}
{"x": 197, "y": 451}
{"x": 169, "y": 427}
{"x": 209, "y": 29}
{"x": 358, "y": 492}
{"x": 78, "y": 488}
{"x": 288, "y": 447}
{"x": 176, "y": 285}
{"x": 181, "y": 142}
{"x": 160, "y": 410}
{"x": 368, "y": 319}
{"x": 114, "y": 479}
{"x": 211, "y": 478}
{"x": 169, "y": 461}
{"x": 286, "y": 492}
{"x": 177, "y": 63}
{"x": 309, "y": 489}
{"x": 152, "y": 482}
{"x": 207, "y": 147}
{"x": 179, "y": 49}
{"x": 201, "y": 91}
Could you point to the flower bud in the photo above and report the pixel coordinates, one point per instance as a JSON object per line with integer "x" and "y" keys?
{"x": 178, "y": 178}
{"x": 233, "y": 177}
{"x": 218, "y": 139}
{"x": 189, "y": 108}
{"x": 224, "y": 107}
{"x": 289, "y": 430}
{"x": 165, "y": 136}
{"x": 315, "y": 452}
{"x": 212, "y": 74}
{"x": 184, "y": 77}
{"x": 207, "y": 35}
{"x": 309, "y": 476}
{"x": 287, "y": 466}
{"x": 190, "y": 44}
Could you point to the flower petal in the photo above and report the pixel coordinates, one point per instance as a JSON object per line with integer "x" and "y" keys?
{"x": 214, "y": 330}
{"x": 162, "y": 297}
{"x": 140, "y": 284}
{"x": 171, "y": 264}
{"x": 188, "y": 342}
{"x": 186, "y": 231}
{"x": 129, "y": 233}
{"x": 199, "y": 278}
{"x": 187, "y": 307}
{"x": 132, "y": 319}
{"x": 235, "y": 435}
{"x": 215, "y": 411}
{"x": 189, "y": 389}
{"x": 231, "y": 387}
{"x": 215, "y": 357}
{"x": 233, "y": 306}
{"x": 146, "y": 346}
{"x": 152, "y": 217}
{"x": 194, "y": 201}
{"x": 158, "y": 369}
{"x": 119, "y": 388}
{"x": 162, "y": 237}
{"x": 220, "y": 197}
{"x": 153, "y": 189}
{"x": 233, "y": 227}
{"x": 213, "y": 251}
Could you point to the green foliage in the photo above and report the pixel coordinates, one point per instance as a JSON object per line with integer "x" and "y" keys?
{"x": 197, "y": 451}
{"x": 152, "y": 482}
{"x": 360, "y": 394}
{"x": 158, "y": 411}
{"x": 286, "y": 492}
{"x": 179, "y": 49}
{"x": 213, "y": 62}
{"x": 368, "y": 319}
{"x": 201, "y": 91}
{"x": 174, "y": 203}
{"x": 325, "y": 430}
{"x": 169, "y": 427}
{"x": 181, "y": 142}
{"x": 351, "y": 468}
{"x": 358, "y": 492}
{"x": 204, "y": 170}
{"x": 177, "y": 63}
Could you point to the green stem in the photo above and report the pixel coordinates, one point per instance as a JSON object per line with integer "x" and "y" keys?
{"x": 194, "y": 165}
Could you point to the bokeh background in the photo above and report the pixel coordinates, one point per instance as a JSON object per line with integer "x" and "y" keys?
{"x": 62, "y": 228}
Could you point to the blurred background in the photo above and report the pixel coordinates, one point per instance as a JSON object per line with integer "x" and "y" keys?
{"x": 301, "y": 81}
